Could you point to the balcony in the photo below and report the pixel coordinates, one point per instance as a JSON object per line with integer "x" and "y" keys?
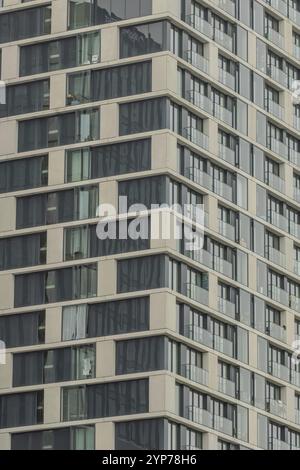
{"x": 223, "y": 345}
{"x": 275, "y": 181}
{"x": 199, "y": 334}
{"x": 277, "y": 74}
{"x": 297, "y": 267}
{"x": 200, "y": 25}
{"x": 199, "y": 415}
{"x": 274, "y": 108}
{"x": 201, "y": 101}
{"x": 224, "y": 425}
{"x": 295, "y": 378}
{"x": 223, "y": 266}
{"x": 277, "y": 444}
{"x": 227, "y": 307}
{"x": 276, "y": 331}
{"x": 276, "y": 407}
{"x": 228, "y": 387}
{"x": 278, "y": 147}
{"x": 275, "y": 256}
{"x": 294, "y": 14}
{"x": 195, "y": 373}
{"x": 223, "y": 189}
{"x": 196, "y": 137}
{"x": 294, "y": 156}
{"x": 227, "y": 230}
{"x": 297, "y": 194}
{"x": 227, "y": 79}
{"x": 296, "y": 51}
{"x": 197, "y": 60}
{"x": 223, "y": 114}
{"x": 224, "y": 39}
{"x": 197, "y": 293}
{"x": 278, "y": 220}
{"x": 199, "y": 177}
{"x": 297, "y": 416}
{"x": 279, "y": 5}
{"x": 279, "y": 370}
{"x": 278, "y": 294}
{"x": 294, "y": 302}
{"x": 294, "y": 229}
{"x": 201, "y": 256}
{"x": 275, "y": 37}
{"x": 227, "y": 154}
{"x": 228, "y": 6}
{"x": 297, "y": 120}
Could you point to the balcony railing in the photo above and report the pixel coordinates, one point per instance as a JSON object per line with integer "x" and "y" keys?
{"x": 294, "y": 156}
{"x": 294, "y": 302}
{"x": 278, "y": 294}
{"x": 198, "y": 176}
{"x": 279, "y": 370}
{"x": 278, "y": 147}
{"x": 297, "y": 416}
{"x": 201, "y": 101}
{"x": 227, "y": 230}
{"x": 297, "y": 267}
{"x": 200, "y": 25}
{"x": 196, "y": 136}
{"x": 227, "y": 5}
{"x": 295, "y": 378}
{"x": 297, "y": 194}
{"x": 296, "y": 51}
{"x": 197, "y": 293}
{"x": 223, "y": 345}
{"x": 201, "y": 256}
{"x": 198, "y": 334}
{"x": 227, "y": 154}
{"x": 276, "y": 407}
{"x": 197, "y": 60}
{"x": 222, "y": 113}
{"x": 223, "y": 266}
{"x": 294, "y": 228}
{"x": 277, "y": 74}
{"x": 297, "y": 118}
{"x": 224, "y": 425}
{"x": 278, "y": 220}
{"x": 227, "y": 78}
{"x": 223, "y": 189}
{"x": 277, "y": 444}
{"x": 199, "y": 415}
{"x": 275, "y": 181}
{"x": 195, "y": 373}
{"x": 224, "y": 39}
{"x": 274, "y": 108}
{"x": 227, "y": 307}
{"x": 279, "y": 5}
{"x": 228, "y": 387}
{"x": 294, "y": 14}
{"x": 276, "y": 331}
{"x": 275, "y": 37}
{"x": 275, "y": 256}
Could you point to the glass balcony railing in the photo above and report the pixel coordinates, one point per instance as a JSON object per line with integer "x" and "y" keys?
{"x": 224, "y": 425}
{"x": 190, "y": 447}
{"x": 223, "y": 266}
{"x": 294, "y": 156}
{"x": 279, "y": 5}
{"x": 276, "y": 407}
{"x": 275, "y": 256}
{"x": 274, "y": 108}
{"x": 275, "y": 37}
{"x": 294, "y": 302}
{"x": 294, "y": 14}
{"x": 297, "y": 120}
{"x": 295, "y": 378}
{"x": 277, "y": 444}
{"x": 227, "y": 79}
{"x": 228, "y": 387}
{"x": 276, "y": 331}
{"x": 294, "y": 229}
{"x": 197, "y": 60}
{"x": 197, "y": 293}
{"x": 196, "y": 137}
{"x": 224, "y": 39}
{"x": 227, "y": 307}
{"x": 297, "y": 416}
{"x": 227, "y": 230}
{"x": 279, "y": 370}
{"x": 277, "y": 74}
{"x": 278, "y": 294}
{"x": 223, "y": 114}
{"x": 223, "y": 345}
{"x": 296, "y": 51}
{"x": 199, "y": 334}
{"x": 278, "y": 147}
{"x": 227, "y": 5}
{"x": 198, "y": 176}
{"x": 201, "y": 101}
{"x": 278, "y": 220}
{"x": 201, "y": 256}
{"x": 222, "y": 189}
{"x": 297, "y": 267}
{"x": 227, "y": 154}
{"x": 199, "y": 415}
{"x": 200, "y": 24}
{"x": 275, "y": 181}
{"x": 195, "y": 373}
{"x": 297, "y": 194}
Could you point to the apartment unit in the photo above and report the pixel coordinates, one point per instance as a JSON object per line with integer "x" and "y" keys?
{"x": 142, "y": 344}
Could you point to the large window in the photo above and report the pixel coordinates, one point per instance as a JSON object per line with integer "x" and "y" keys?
{"x": 21, "y": 409}
{"x": 23, "y": 329}
{"x": 58, "y": 285}
{"x": 140, "y": 355}
{"x": 105, "y": 84}
{"x": 18, "y": 252}
{"x": 84, "y": 13}
{"x": 144, "y": 39}
{"x": 26, "y": 98}
{"x": 108, "y": 160}
{"x": 23, "y": 173}
{"x": 106, "y": 318}
{"x": 143, "y": 116}
{"x": 61, "y": 129}
{"x": 28, "y": 23}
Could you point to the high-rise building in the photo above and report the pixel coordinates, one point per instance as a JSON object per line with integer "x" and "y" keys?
{"x": 142, "y": 343}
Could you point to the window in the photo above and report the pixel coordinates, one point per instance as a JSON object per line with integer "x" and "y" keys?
{"x": 19, "y": 252}
{"x": 21, "y": 409}
{"x": 16, "y": 175}
{"x": 140, "y": 355}
{"x": 25, "y": 23}
{"x": 143, "y": 116}
{"x": 26, "y": 98}
{"x": 143, "y": 39}
{"x": 141, "y": 273}
{"x": 23, "y": 329}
